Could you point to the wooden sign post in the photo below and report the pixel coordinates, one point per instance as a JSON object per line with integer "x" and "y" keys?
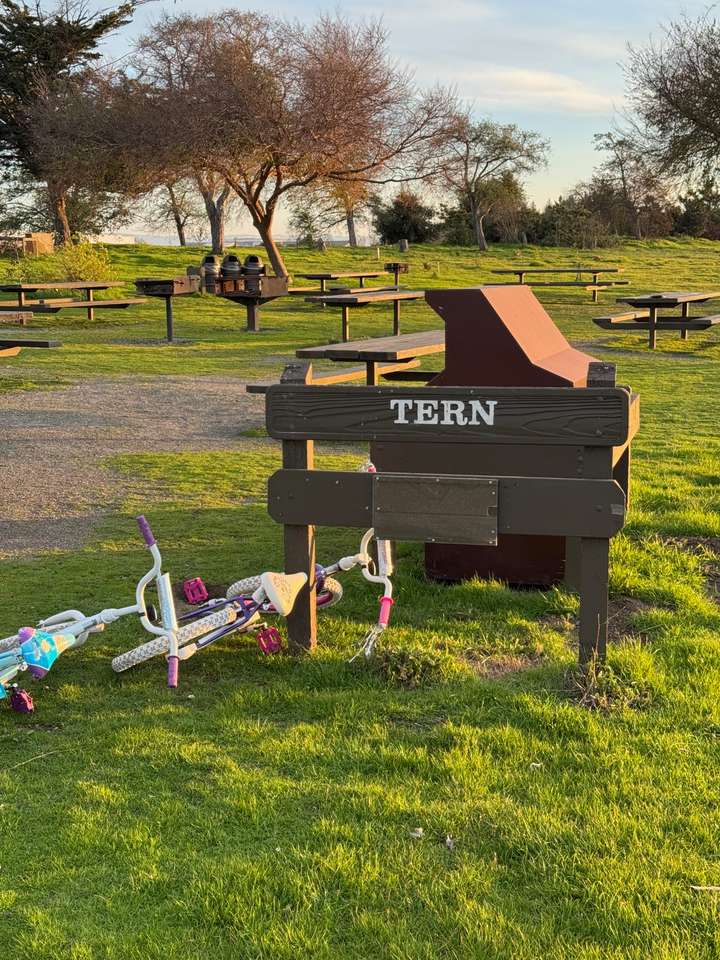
{"x": 449, "y": 507}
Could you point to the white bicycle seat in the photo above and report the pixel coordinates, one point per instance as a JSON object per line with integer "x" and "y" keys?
{"x": 282, "y": 589}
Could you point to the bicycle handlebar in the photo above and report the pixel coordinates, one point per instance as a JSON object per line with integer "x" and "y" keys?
{"x": 146, "y": 531}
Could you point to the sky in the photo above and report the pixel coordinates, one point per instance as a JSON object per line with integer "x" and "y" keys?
{"x": 554, "y": 66}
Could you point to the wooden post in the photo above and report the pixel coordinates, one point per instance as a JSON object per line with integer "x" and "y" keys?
{"x": 345, "y": 319}
{"x": 91, "y": 312}
{"x": 652, "y": 327}
{"x": 396, "y": 317}
{"x": 169, "y": 318}
{"x": 300, "y": 540}
{"x": 594, "y": 559}
{"x": 684, "y": 313}
{"x": 252, "y": 316}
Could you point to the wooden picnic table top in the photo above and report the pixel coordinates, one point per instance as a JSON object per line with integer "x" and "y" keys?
{"x": 378, "y": 349}
{"x": 341, "y": 275}
{"x": 361, "y": 298}
{"x": 61, "y": 285}
{"x": 518, "y": 270}
{"x": 668, "y": 299}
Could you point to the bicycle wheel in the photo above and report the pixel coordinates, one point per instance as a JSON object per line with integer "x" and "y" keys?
{"x": 160, "y": 645}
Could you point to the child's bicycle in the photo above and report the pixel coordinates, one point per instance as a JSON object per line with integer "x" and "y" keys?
{"x": 248, "y": 601}
{"x": 36, "y": 649}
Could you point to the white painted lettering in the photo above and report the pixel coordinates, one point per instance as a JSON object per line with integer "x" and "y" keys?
{"x": 426, "y": 411}
{"x": 401, "y": 408}
{"x": 453, "y": 412}
{"x": 487, "y": 416}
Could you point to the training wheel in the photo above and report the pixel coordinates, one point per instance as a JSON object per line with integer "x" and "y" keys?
{"x": 269, "y": 640}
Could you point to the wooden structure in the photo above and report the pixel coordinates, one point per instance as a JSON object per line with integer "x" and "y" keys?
{"x": 251, "y": 292}
{"x": 19, "y": 317}
{"x": 500, "y": 336}
{"x": 381, "y": 356}
{"x": 353, "y": 301}
{"x": 594, "y": 285}
{"x": 11, "y": 347}
{"x": 325, "y": 276}
{"x": 88, "y": 287}
{"x": 533, "y": 425}
{"x": 28, "y": 245}
{"x": 646, "y": 317}
{"x": 396, "y": 268}
{"x": 166, "y": 289}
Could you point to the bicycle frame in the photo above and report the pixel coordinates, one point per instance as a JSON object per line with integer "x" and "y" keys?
{"x": 36, "y": 649}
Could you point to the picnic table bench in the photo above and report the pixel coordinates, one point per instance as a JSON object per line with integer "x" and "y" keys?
{"x": 645, "y": 316}
{"x": 324, "y": 276}
{"x": 11, "y": 347}
{"x": 88, "y": 287}
{"x": 595, "y": 285}
{"x": 392, "y": 358}
{"x": 352, "y": 301}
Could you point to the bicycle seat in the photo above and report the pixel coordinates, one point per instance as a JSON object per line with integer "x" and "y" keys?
{"x": 282, "y": 589}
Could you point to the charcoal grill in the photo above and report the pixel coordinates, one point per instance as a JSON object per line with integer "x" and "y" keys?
{"x": 165, "y": 289}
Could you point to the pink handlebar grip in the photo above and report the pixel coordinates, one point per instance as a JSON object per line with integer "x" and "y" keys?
{"x": 385, "y": 606}
{"x": 146, "y": 531}
{"x": 173, "y": 665}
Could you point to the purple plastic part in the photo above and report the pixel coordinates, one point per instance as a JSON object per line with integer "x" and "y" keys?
{"x": 195, "y": 590}
{"x": 269, "y": 640}
{"x": 21, "y": 701}
{"x": 173, "y": 669}
{"x": 146, "y": 531}
{"x": 26, "y": 633}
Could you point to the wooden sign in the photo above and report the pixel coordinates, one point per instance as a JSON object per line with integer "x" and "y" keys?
{"x": 590, "y": 416}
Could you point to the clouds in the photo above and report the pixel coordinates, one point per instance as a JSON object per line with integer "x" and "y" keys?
{"x": 534, "y": 90}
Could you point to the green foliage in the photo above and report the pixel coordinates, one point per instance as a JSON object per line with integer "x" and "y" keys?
{"x": 269, "y": 809}
{"x": 405, "y": 217}
{"x": 408, "y": 668}
{"x": 79, "y": 261}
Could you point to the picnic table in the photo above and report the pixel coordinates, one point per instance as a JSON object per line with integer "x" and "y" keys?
{"x": 352, "y": 301}
{"x": 64, "y": 303}
{"x": 595, "y": 284}
{"x": 165, "y": 289}
{"x": 399, "y": 351}
{"x": 646, "y": 318}
{"x": 323, "y": 277}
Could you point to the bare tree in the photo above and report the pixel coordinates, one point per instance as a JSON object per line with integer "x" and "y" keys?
{"x": 176, "y": 202}
{"x": 626, "y": 173}
{"x": 674, "y": 93}
{"x": 273, "y": 107}
{"x": 473, "y": 156}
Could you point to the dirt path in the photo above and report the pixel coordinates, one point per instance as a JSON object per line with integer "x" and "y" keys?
{"x": 53, "y": 489}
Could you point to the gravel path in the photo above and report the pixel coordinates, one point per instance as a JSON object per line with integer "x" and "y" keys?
{"x": 53, "y": 489}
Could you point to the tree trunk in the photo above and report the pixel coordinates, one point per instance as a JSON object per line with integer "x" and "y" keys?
{"x": 350, "y": 220}
{"x": 477, "y": 222}
{"x": 61, "y": 224}
{"x": 215, "y": 210}
{"x": 177, "y": 216}
{"x": 264, "y": 228}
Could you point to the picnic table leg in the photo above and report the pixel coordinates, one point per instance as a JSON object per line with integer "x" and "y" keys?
{"x": 21, "y": 298}
{"x": 362, "y": 281}
{"x": 90, "y": 312}
{"x": 521, "y": 276}
{"x": 371, "y": 378}
{"x": 345, "y": 320}
{"x": 322, "y": 291}
{"x": 684, "y": 313}
{"x": 652, "y": 328}
{"x": 595, "y": 291}
{"x": 594, "y": 558}
{"x": 169, "y": 318}
{"x": 396, "y": 317}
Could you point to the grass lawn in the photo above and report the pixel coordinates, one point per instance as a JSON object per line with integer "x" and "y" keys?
{"x": 267, "y": 810}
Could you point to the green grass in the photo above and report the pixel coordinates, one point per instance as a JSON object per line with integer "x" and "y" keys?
{"x": 266, "y": 811}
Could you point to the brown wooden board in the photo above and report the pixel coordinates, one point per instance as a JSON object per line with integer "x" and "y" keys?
{"x": 379, "y": 348}
{"x": 594, "y": 417}
{"x": 539, "y": 506}
{"x": 696, "y": 323}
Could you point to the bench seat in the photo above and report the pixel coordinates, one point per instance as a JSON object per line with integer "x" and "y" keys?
{"x": 622, "y": 317}
{"x": 676, "y": 323}
{"x": 341, "y": 375}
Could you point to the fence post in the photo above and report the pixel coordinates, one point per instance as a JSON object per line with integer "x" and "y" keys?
{"x": 299, "y": 541}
